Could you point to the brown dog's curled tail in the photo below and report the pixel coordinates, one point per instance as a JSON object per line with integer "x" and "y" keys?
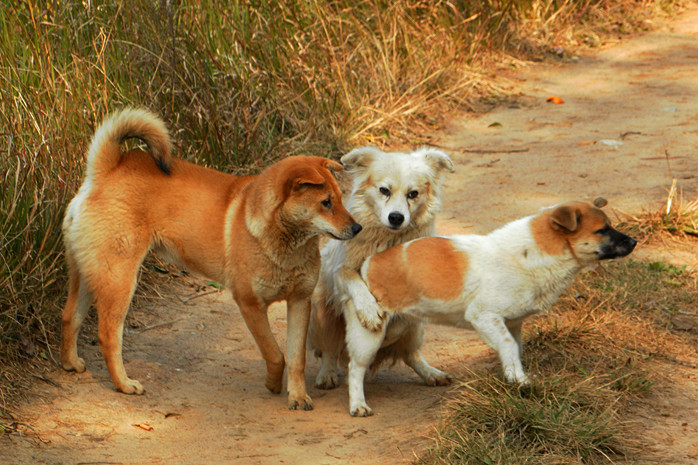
{"x": 105, "y": 150}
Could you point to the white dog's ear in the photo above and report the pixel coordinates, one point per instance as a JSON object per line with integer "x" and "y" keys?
{"x": 360, "y": 158}
{"x": 438, "y": 160}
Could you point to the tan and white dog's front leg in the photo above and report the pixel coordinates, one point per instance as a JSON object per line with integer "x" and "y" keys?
{"x": 362, "y": 346}
{"x": 369, "y": 313}
{"x": 298, "y": 318}
{"x": 494, "y": 332}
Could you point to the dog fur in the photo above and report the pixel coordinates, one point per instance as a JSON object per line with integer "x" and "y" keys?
{"x": 258, "y": 235}
{"x": 395, "y": 197}
{"x": 488, "y": 283}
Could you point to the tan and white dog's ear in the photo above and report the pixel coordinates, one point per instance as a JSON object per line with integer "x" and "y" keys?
{"x": 600, "y": 202}
{"x": 438, "y": 160}
{"x": 360, "y": 157}
{"x": 565, "y": 217}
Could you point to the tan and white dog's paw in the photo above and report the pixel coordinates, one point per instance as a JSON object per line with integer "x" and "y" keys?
{"x": 372, "y": 317}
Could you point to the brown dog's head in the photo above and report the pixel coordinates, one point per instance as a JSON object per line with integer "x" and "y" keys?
{"x": 311, "y": 198}
{"x": 583, "y": 229}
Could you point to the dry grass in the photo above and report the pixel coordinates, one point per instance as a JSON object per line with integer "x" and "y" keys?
{"x": 678, "y": 217}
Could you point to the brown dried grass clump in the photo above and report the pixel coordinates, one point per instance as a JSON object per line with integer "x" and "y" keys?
{"x": 678, "y": 218}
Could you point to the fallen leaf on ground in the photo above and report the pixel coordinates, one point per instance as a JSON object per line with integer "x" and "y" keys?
{"x": 555, "y": 100}
{"x": 587, "y": 142}
{"x": 143, "y": 426}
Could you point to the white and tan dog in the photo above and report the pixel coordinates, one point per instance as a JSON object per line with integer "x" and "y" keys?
{"x": 395, "y": 197}
{"x": 488, "y": 283}
{"x": 258, "y": 235}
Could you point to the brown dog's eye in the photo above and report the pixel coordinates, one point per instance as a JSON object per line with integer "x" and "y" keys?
{"x": 385, "y": 191}
{"x": 327, "y": 203}
{"x": 412, "y": 194}
{"x": 603, "y": 230}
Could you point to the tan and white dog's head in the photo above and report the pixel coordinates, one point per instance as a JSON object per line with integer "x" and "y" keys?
{"x": 396, "y": 190}
{"x": 583, "y": 229}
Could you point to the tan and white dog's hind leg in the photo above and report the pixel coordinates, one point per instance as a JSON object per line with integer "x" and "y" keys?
{"x": 494, "y": 332}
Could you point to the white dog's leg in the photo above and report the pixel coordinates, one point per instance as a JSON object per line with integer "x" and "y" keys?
{"x": 327, "y": 375}
{"x": 430, "y": 375}
{"x": 494, "y": 333}
{"x": 362, "y": 346}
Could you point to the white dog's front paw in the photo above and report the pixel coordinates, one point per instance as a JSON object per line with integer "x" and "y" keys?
{"x": 371, "y": 317}
{"x": 328, "y": 380}
{"x": 360, "y": 410}
{"x": 438, "y": 378}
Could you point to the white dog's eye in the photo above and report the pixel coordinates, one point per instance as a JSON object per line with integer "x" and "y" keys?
{"x": 385, "y": 191}
{"x": 412, "y": 194}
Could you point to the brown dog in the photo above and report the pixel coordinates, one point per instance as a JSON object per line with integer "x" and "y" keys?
{"x": 256, "y": 234}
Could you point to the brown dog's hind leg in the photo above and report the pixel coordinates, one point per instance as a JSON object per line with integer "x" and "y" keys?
{"x": 76, "y": 307}
{"x": 112, "y": 295}
{"x": 257, "y": 320}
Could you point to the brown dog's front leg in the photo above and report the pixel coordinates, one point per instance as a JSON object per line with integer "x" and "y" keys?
{"x": 258, "y": 322}
{"x": 298, "y": 318}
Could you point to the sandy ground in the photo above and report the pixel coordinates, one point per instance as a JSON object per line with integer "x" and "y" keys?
{"x": 626, "y": 106}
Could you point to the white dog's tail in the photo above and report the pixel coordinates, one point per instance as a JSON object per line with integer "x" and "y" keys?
{"x": 105, "y": 151}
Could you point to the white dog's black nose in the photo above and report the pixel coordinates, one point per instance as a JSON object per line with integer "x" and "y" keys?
{"x": 396, "y": 219}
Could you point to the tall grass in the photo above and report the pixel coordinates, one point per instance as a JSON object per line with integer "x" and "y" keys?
{"x": 240, "y": 84}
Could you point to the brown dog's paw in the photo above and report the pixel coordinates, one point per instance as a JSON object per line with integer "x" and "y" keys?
{"x": 77, "y": 365}
{"x": 300, "y": 403}
{"x": 131, "y": 386}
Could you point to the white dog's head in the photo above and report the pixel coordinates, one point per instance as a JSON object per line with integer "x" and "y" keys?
{"x": 396, "y": 190}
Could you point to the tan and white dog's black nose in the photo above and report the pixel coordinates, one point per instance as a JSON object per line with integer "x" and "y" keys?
{"x": 617, "y": 245}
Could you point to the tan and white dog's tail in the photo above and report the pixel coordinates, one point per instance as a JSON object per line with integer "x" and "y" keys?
{"x": 105, "y": 150}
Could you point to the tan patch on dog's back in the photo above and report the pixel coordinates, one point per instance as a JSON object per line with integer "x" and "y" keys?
{"x": 431, "y": 268}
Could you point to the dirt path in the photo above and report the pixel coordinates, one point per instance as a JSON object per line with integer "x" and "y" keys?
{"x": 205, "y": 397}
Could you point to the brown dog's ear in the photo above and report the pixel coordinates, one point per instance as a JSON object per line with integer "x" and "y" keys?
{"x": 600, "y": 202}
{"x": 301, "y": 178}
{"x": 332, "y": 165}
{"x": 565, "y": 217}
{"x": 360, "y": 158}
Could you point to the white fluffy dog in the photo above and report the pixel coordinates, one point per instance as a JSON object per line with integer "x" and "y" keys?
{"x": 395, "y": 197}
